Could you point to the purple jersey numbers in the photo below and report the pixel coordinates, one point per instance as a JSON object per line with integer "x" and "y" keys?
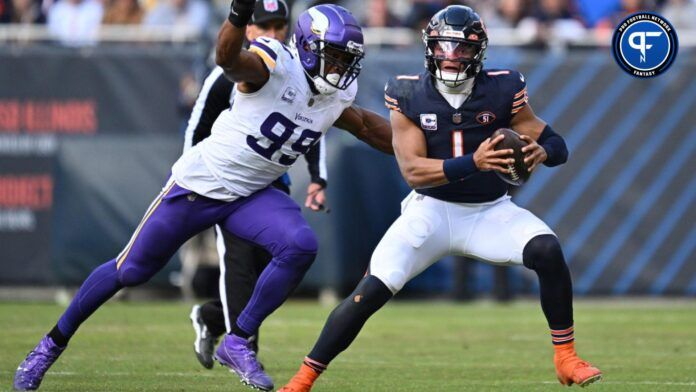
{"x": 306, "y": 140}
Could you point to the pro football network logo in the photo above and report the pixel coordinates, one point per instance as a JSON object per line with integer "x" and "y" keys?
{"x": 645, "y": 44}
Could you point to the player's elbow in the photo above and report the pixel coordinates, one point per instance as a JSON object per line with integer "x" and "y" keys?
{"x": 220, "y": 56}
{"x": 227, "y": 59}
{"x": 412, "y": 183}
{"x": 224, "y": 60}
{"x": 416, "y": 184}
{"x": 414, "y": 177}
{"x": 421, "y": 184}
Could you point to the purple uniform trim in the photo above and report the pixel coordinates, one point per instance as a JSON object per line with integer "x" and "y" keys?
{"x": 266, "y": 49}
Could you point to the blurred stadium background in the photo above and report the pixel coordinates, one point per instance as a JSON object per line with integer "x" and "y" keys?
{"x": 94, "y": 96}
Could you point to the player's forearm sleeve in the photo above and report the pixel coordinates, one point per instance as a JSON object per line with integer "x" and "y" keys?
{"x": 457, "y": 169}
{"x": 316, "y": 163}
{"x": 555, "y": 146}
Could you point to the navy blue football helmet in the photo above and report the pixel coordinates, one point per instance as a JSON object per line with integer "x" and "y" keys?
{"x": 455, "y": 45}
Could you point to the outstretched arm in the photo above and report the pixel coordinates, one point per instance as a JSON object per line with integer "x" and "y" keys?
{"x": 419, "y": 171}
{"x": 241, "y": 66}
{"x": 367, "y": 126}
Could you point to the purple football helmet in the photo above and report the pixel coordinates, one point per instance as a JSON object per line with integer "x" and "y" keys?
{"x": 329, "y": 43}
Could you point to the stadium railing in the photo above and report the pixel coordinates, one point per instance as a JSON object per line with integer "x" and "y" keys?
{"x": 377, "y": 36}
{"x": 107, "y": 34}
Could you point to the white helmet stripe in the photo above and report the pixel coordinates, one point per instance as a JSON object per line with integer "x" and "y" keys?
{"x": 320, "y": 22}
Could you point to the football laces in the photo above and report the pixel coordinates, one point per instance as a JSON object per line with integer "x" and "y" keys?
{"x": 513, "y": 173}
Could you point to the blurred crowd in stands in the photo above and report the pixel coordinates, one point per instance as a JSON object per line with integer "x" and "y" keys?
{"x": 76, "y": 22}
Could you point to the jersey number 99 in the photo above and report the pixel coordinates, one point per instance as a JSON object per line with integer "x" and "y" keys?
{"x": 307, "y": 139}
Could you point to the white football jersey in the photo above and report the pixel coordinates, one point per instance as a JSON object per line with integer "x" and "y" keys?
{"x": 264, "y": 132}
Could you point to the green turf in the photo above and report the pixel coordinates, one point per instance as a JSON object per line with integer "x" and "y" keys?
{"x": 408, "y": 346}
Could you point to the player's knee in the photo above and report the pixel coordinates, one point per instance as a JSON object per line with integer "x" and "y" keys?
{"x": 129, "y": 276}
{"x": 395, "y": 279}
{"x": 301, "y": 246}
{"x": 370, "y": 295}
{"x": 543, "y": 252}
{"x": 304, "y": 240}
{"x": 134, "y": 274}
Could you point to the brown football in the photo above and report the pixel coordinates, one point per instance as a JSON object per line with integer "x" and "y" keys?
{"x": 519, "y": 173}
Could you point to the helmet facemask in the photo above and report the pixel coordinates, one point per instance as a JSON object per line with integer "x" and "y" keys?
{"x": 337, "y": 67}
{"x": 453, "y": 60}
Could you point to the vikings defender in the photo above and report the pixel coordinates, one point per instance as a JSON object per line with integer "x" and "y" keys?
{"x": 287, "y": 98}
{"x": 241, "y": 263}
{"x": 442, "y": 120}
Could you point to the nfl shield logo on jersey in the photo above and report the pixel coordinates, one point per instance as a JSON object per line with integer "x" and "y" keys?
{"x": 270, "y": 5}
{"x": 429, "y": 121}
{"x": 289, "y": 95}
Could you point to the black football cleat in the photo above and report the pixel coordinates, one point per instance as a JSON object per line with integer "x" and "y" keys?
{"x": 204, "y": 345}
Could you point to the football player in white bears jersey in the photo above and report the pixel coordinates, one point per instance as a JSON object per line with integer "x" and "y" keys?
{"x": 287, "y": 98}
{"x": 443, "y": 120}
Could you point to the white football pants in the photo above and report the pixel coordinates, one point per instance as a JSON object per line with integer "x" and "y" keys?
{"x": 430, "y": 229}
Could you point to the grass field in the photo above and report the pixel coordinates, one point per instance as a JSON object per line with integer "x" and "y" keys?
{"x": 408, "y": 346}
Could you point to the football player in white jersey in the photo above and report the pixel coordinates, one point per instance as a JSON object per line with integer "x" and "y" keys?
{"x": 241, "y": 263}
{"x": 287, "y": 99}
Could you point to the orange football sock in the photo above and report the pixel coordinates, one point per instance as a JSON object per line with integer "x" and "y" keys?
{"x": 306, "y": 374}
{"x": 560, "y": 337}
{"x": 565, "y": 349}
{"x": 304, "y": 379}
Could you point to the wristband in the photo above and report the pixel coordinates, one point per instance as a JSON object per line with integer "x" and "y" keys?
{"x": 456, "y": 169}
{"x": 320, "y": 181}
{"x": 555, "y": 147}
{"x": 240, "y": 13}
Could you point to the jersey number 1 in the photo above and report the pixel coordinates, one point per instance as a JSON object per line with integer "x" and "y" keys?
{"x": 306, "y": 140}
{"x": 457, "y": 143}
